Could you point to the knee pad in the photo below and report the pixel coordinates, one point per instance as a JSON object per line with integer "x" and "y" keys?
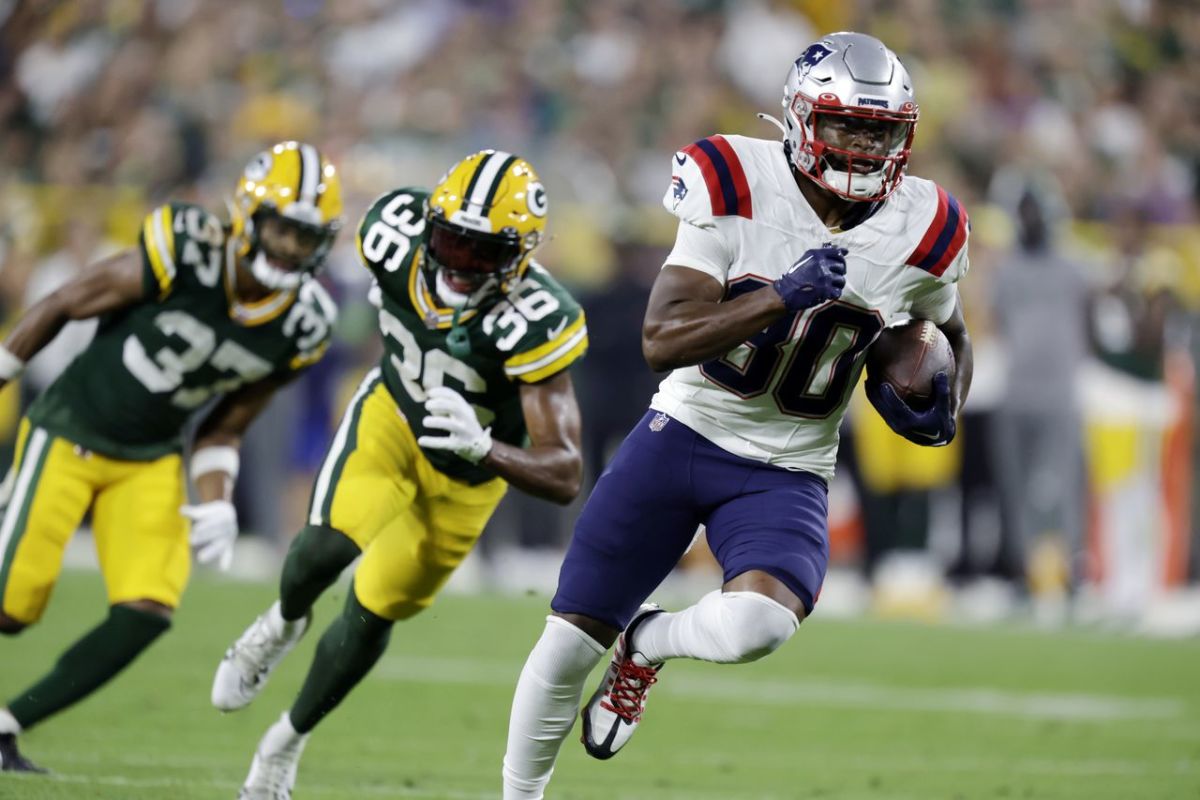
{"x": 753, "y": 624}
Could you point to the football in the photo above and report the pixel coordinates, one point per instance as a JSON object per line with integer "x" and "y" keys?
{"x": 907, "y": 356}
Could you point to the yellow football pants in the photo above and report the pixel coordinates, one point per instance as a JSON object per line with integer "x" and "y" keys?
{"x": 413, "y": 523}
{"x": 141, "y": 538}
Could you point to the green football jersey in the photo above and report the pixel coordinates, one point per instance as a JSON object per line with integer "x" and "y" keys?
{"x": 130, "y": 394}
{"x": 532, "y": 333}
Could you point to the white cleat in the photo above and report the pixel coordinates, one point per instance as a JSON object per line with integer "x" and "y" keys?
{"x": 244, "y": 670}
{"x": 615, "y": 710}
{"x": 273, "y": 770}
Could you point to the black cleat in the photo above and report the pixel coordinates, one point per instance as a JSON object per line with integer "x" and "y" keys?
{"x": 11, "y": 759}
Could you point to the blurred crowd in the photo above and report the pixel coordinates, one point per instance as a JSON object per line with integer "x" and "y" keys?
{"x": 1066, "y": 127}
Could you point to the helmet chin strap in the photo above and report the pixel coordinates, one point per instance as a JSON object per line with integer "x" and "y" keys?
{"x": 272, "y": 277}
{"x": 458, "y": 341}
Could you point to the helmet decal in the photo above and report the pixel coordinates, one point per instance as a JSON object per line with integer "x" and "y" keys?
{"x": 535, "y": 198}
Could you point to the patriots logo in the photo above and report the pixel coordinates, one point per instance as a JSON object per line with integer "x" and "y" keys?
{"x": 678, "y": 188}
{"x": 815, "y": 54}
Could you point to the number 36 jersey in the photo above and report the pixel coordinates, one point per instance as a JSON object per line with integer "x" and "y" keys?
{"x": 780, "y": 396}
{"x": 130, "y": 394}
{"x": 534, "y": 332}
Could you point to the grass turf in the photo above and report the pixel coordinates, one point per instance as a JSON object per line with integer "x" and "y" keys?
{"x": 862, "y": 709}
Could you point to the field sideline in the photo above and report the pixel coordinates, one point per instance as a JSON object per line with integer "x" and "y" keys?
{"x": 848, "y": 710}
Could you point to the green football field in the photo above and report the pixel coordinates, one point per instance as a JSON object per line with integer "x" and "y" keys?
{"x": 862, "y": 709}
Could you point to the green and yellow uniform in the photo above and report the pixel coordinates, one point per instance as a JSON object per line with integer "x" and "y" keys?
{"x": 107, "y": 435}
{"x": 416, "y": 513}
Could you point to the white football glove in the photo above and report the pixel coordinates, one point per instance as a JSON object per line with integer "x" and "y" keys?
{"x": 450, "y": 412}
{"x": 214, "y": 530}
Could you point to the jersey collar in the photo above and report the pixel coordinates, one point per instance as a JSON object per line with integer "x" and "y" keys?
{"x": 425, "y": 301}
{"x": 258, "y": 312}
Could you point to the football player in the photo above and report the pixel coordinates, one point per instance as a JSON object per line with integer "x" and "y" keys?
{"x": 472, "y": 393}
{"x": 790, "y": 258}
{"x": 196, "y": 311}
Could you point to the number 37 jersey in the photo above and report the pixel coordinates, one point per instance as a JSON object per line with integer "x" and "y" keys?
{"x": 780, "y": 396}
{"x": 151, "y": 365}
{"x": 534, "y": 332}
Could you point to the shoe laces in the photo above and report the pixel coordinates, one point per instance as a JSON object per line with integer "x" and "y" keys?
{"x": 627, "y": 697}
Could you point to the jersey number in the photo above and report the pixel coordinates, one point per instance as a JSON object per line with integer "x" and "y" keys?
{"x": 389, "y": 238}
{"x": 421, "y": 371}
{"x": 821, "y": 368}
{"x": 165, "y": 370}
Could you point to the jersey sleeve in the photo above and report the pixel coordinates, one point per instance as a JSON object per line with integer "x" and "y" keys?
{"x": 708, "y": 181}
{"x": 702, "y": 249}
{"x": 389, "y": 235}
{"x": 942, "y": 253}
{"x": 157, "y": 243}
{"x": 313, "y": 329}
{"x": 180, "y": 242}
{"x": 540, "y": 330}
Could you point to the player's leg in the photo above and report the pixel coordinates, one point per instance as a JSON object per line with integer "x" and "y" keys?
{"x": 773, "y": 547}
{"x": 354, "y": 495}
{"x": 633, "y": 529}
{"x": 53, "y": 488}
{"x": 767, "y": 528}
{"x": 404, "y": 565}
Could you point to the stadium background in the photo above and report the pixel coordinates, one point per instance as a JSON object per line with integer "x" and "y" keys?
{"x": 109, "y": 108}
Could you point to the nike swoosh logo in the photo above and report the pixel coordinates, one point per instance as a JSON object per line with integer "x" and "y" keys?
{"x": 680, "y": 159}
{"x": 553, "y": 333}
{"x": 933, "y": 437}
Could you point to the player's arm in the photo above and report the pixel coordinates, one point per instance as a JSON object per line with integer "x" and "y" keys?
{"x": 214, "y": 468}
{"x": 218, "y": 440}
{"x": 687, "y": 321}
{"x": 108, "y": 285}
{"x": 955, "y": 330}
{"x": 551, "y": 467}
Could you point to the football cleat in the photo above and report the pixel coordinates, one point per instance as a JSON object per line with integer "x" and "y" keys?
{"x": 244, "y": 670}
{"x": 615, "y": 710}
{"x": 273, "y": 770}
{"x": 11, "y": 759}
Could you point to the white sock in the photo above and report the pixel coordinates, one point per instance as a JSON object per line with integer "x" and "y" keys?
{"x": 8, "y": 723}
{"x": 724, "y": 627}
{"x": 544, "y": 706}
{"x": 283, "y": 628}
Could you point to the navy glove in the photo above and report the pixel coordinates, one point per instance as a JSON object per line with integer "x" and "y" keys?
{"x": 819, "y": 275}
{"x": 933, "y": 428}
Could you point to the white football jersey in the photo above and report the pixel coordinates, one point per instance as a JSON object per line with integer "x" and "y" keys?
{"x": 780, "y": 396}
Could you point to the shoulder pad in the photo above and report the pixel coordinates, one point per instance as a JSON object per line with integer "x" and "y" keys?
{"x": 539, "y": 329}
{"x": 311, "y": 322}
{"x": 707, "y": 181}
{"x": 944, "y": 242}
{"x": 388, "y": 228}
{"x": 181, "y": 235}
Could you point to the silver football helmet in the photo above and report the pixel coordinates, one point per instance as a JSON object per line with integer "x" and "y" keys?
{"x": 849, "y": 116}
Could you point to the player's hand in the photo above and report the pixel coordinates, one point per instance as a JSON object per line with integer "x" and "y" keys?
{"x": 214, "y": 530}
{"x": 933, "y": 428}
{"x": 818, "y": 276}
{"x": 450, "y": 412}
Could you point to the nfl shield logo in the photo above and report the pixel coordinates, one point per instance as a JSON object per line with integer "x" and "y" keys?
{"x": 659, "y": 422}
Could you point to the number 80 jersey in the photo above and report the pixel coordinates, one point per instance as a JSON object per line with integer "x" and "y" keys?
{"x": 533, "y": 333}
{"x": 780, "y": 396}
